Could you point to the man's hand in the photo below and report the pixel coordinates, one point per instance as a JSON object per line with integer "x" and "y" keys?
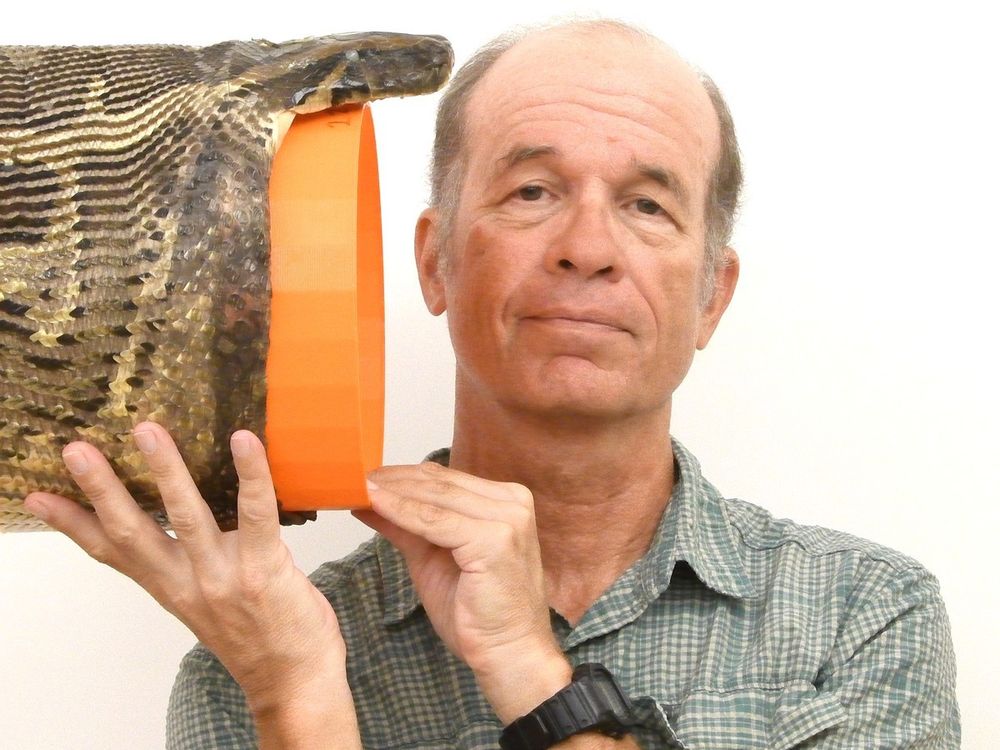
{"x": 472, "y": 551}
{"x": 239, "y": 592}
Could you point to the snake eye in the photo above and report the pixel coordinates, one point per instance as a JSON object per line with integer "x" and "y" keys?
{"x": 300, "y": 96}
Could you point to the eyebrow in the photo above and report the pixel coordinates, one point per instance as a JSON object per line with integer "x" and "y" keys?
{"x": 522, "y": 153}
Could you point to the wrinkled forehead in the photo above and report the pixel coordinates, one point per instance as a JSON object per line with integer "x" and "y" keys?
{"x": 618, "y": 65}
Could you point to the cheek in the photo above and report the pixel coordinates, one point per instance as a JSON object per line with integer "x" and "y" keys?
{"x": 674, "y": 301}
{"x": 479, "y": 285}
{"x": 477, "y": 244}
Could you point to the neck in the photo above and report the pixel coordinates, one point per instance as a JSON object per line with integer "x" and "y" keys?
{"x": 599, "y": 486}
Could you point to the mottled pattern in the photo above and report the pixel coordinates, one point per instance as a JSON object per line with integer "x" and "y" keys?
{"x": 134, "y": 258}
{"x": 736, "y": 631}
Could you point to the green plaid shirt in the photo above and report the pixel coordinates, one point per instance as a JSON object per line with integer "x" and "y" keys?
{"x": 736, "y": 630}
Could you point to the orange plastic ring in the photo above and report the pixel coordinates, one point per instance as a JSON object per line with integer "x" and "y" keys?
{"x": 326, "y": 362}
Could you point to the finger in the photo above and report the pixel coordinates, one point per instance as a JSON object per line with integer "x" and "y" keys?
{"x": 76, "y": 522}
{"x": 124, "y": 523}
{"x": 508, "y": 491}
{"x": 190, "y": 516}
{"x": 439, "y": 525}
{"x": 410, "y": 545}
{"x": 451, "y": 491}
{"x": 257, "y": 505}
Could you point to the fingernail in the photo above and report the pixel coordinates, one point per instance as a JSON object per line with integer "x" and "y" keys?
{"x": 370, "y": 485}
{"x": 146, "y": 440}
{"x": 76, "y": 462}
{"x": 240, "y": 444}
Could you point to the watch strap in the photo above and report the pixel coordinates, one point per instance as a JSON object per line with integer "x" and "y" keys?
{"x": 591, "y": 702}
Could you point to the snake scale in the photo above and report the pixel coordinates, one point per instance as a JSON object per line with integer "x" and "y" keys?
{"x": 134, "y": 242}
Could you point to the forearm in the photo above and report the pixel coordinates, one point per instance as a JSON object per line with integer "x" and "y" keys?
{"x": 317, "y": 718}
{"x": 303, "y": 713}
{"x": 515, "y": 681}
{"x": 307, "y": 729}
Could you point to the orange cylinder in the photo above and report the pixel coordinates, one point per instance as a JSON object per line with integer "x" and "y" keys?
{"x": 326, "y": 361}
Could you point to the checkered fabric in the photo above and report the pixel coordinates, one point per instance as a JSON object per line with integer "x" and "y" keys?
{"x": 736, "y": 630}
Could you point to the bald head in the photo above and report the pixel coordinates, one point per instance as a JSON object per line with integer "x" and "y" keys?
{"x": 537, "y": 60}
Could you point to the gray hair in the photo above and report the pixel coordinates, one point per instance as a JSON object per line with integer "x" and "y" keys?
{"x": 448, "y": 162}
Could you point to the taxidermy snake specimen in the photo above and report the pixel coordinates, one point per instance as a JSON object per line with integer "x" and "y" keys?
{"x": 134, "y": 242}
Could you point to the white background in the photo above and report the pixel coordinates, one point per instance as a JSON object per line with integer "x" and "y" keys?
{"x": 852, "y": 383}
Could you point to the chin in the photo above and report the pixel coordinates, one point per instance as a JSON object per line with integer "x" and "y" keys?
{"x": 565, "y": 391}
{"x": 571, "y": 402}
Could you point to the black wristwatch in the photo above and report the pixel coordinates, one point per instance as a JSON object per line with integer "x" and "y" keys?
{"x": 592, "y": 702}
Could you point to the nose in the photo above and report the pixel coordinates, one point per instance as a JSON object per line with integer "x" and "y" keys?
{"x": 587, "y": 242}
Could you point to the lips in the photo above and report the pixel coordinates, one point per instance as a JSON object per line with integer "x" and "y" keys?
{"x": 583, "y": 318}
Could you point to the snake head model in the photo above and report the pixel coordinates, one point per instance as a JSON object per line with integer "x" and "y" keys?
{"x": 134, "y": 255}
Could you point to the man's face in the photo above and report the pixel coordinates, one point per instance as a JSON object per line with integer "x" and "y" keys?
{"x": 577, "y": 246}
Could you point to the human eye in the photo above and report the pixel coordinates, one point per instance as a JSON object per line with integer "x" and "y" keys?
{"x": 531, "y": 198}
{"x": 530, "y": 192}
{"x": 650, "y": 212}
{"x": 647, "y": 206}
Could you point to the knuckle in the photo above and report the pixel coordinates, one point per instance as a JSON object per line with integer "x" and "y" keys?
{"x": 162, "y": 471}
{"x": 183, "y": 519}
{"x": 431, "y": 515}
{"x": 103, "y": 552}
{"x": 98, "y": 491}
{"x": 522, "y": 518}
{"x": 445, "y": 488}
{"x": 520, "y": 494}
{"x": 183, "y": 599}
{"x": 432, "y": 468}
{"x": 181, "y": 487}
{"x": 256, "y": 486}
{"x": 123, "y": 535}
{"x": 256, "y": 515}
{"x": 171, "y": 477}
{"x": 215, "y": 590}
{"x": 254, "y": 582}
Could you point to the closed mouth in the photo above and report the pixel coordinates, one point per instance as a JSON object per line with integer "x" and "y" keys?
{"x": 582, "y": 322}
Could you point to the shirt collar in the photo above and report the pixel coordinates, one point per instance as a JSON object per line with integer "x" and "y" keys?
{"x": 400, "y": 596}
{"x": 695, "y": 528}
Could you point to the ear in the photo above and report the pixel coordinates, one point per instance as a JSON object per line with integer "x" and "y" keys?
{"x": 430, "y": 268}
{"x": 726, "y": 276}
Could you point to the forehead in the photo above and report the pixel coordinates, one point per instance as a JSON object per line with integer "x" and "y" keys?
{"x": 599, "y": 85}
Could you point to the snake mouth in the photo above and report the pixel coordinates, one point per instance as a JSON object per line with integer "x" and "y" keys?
{"x": 348, "y": 69}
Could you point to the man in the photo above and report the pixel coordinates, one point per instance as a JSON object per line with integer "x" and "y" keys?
{"x": 585, "y": 184}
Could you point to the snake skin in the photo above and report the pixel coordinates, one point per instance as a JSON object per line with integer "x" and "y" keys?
{"x": 134, "y": 278}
